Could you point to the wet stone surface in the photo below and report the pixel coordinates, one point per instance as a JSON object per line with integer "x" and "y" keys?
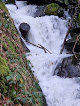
{"x": 68, "y": 67}
{"x": 70, "y": 44}
{"x": 40, "y": 11}
{"x": 24, "y": 29}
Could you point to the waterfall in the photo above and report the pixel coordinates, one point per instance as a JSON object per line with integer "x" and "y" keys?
{"x": 48, "y": 31}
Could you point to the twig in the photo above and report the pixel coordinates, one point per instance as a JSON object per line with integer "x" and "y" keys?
{"x": 45, "y": 49}
{"x": 68, "y": 30}
{"x": 77, "y": 39}
{"x": 40, "y": 46}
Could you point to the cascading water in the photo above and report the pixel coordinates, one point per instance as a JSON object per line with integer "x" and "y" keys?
{"x": 49, "y": 31}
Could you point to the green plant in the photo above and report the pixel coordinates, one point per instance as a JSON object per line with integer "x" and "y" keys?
{"x": 11, "y": 47}
{"x": 4, "y": 46}
{"x": 34, "y": 95}
{"x": 4, "y": 71}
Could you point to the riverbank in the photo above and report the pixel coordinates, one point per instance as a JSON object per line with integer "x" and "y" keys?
{"x": 18, "y": 85}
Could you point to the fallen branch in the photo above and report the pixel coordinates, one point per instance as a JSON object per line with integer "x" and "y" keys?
{"x": 68, "y": 30}
{"x": 77, "y": 39}
{"x": 39, "y": 46}
{"x": 44, "y": 48}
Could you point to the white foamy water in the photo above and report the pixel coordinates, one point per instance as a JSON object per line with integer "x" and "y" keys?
{"x": 49, "y": 31}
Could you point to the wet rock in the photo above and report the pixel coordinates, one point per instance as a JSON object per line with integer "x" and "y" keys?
{"x": 74, "y": 31}
{"x": 9, "y": 1}
{"x": 71, "y": 10}
{"x": 42, "y": 2}
{"x": 62, "y": 3}
{"x": 75, "y": 28}
{"x": 61, "y": 12}
{"x": 37, "y": 2}
{"x": 24, "y": 46}
{"x": 70, "y": 44}
{"x": 24, "y": 29}
{"x": 68, "y": 67}
{"x": 40, "y": 11}
{"x": 53, "y": 9}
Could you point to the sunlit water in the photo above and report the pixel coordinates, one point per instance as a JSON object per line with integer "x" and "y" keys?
{"x": 48, "y": 31}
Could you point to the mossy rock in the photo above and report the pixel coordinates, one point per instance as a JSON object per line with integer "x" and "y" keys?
{"x": 52, "y": 9}
{"x": 4, "y": 71}
{"x": 75, "y": 26}
{"x": 78, "y": 19}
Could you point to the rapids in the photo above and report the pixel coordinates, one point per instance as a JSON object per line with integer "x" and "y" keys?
{"x": 49, "y": 31}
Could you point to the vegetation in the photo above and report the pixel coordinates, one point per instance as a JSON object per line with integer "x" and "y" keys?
{"x": 4, "y": 72}
{"x": 18, "y": 85}
{"x": 52, "y": 9}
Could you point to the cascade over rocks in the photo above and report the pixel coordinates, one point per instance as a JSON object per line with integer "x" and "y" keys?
{"x": 24, "y": 29}
{"x": 68, "y": 67}
{"x": 40, "y": 11}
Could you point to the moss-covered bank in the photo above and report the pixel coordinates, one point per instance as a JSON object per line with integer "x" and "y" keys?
{"x": 17, "y": 83}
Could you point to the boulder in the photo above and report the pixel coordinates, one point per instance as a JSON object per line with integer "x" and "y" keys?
{"x": 24, "y": 29}
{"x": 70, "y": 44}
{"x": 40, "y": 11}
{"x": 68, "y": 67}
{"x": 53, "y": 9}
{"x": 74, "y": 31}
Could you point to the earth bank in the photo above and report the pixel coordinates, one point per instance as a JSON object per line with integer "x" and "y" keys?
{"x": 18, "y": 85}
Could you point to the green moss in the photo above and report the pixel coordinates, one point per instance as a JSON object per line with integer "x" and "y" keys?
{"x": 77, "y": 20}
{"x": 79, "y": 16}
{"x": 2, "y": 6}
{"x": 52, "y": 9}
{"x": 4, "y": 46}
{"x": 11, "y": 46}
{"x": 4, "y": 71}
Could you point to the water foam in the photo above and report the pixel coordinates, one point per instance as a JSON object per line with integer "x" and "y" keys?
{"x": 49, "y": 31}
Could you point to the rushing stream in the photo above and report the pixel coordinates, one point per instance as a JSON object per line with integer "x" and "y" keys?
{"x": 48, "y": 31}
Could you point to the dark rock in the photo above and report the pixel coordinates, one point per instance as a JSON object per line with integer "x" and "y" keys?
{"x": 70, "y": 44}
{"x": 72, "y": 2}
{"x": 62, "y": 3}
{"x": 9, "y": 1}
{"x": 24, "y": 46}
{"x": 71, "y": 10}
{"x": 37, "y": 2}
{"x": 40, "y": 11}
{"x": 24, "y": 29}
{"x": 44, "y": 101}
{"x": 68, "y": 67}
{"x": 61, "y": 12}
{"x": 75, "y": 28}
{"x": 74, "y": 31}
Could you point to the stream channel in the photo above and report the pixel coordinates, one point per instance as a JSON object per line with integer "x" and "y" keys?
{"x": 48, "y": 31}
